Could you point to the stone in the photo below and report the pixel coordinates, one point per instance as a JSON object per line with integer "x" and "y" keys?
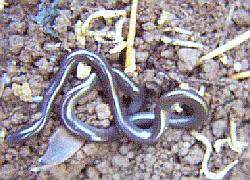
{"x": 16, "y": 43}
{"x": 211, "y": 69}
{"x": 195, "y": 156}
{"x": 188, "y": 59}
{"x": 90, "y": 149}
{"x": 219, "y": 127}
{"x": 142, "y": 56}
{"x": 241, "y": 17}
{"x": 167, "y": 54}
{"x": 120, "y": 161}
{"x": 103, "y": 111}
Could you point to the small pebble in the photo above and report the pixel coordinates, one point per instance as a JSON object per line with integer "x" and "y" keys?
{"x": 167, "y": 54}
{"x": 237, "y": 66}
{"x": 219, "y": 127}
{"x": 16, "y": 43}
{"x": 23, "y": 91}
{"x": 241, "y": 17}
{"x": 8, "y": 171}
{"x": 211, "y": 69}
{"x": 90, "y": 149}
{"x": 195, "y": 156}
{"x": 92, "y": 173}
{"x": 120, "y": 161}
{"x": 82, "y": 71}
{"x": 188, "y": 59}
{"x": 103, "y": 111}
{"x": 141, "y": 56}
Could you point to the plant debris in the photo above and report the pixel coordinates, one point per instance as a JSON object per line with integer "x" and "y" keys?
{"x": 165, "y": 17}
{"x": 204, "y": 169}
{"x": 2, "y": 3}
{"x": 241, "y": 75}
{"x": 229, "y": 45}
{"x": 83, "y": 29}
{"x": 235, "y": 145}
{"x": 130, "y": 53}
{"x": 3, "y": 133}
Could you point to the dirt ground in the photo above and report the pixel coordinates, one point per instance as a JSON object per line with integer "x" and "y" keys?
{"x": 28, "y": 54}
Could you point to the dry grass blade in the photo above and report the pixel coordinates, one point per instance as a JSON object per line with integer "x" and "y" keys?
{"x": 229, "y": 45}
{"x": 130, "y": 54}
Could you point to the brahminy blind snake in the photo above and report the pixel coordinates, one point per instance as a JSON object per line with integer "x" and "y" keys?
{"x": 131, "y": 123}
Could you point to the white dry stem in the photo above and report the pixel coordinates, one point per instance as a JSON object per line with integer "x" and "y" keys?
{"x": 178, "y": 42}
{"x": 42, "y": 168}
{"x": 166, "y": 39}
{"x": 83, "y": 29}
{"x": 184, "y": 86}
{"x": 204, "y": 170}
{"x": 3, "y": 133}
{"x": 237, "y": 66}
{"x": 237, "y": 146}
{"x": 118, "y": 48}
{"x": 202, "y": 90}
{"x": 80, "y": 37}
{"x": 1, "y": 87}
{"x": 182, "y": 31}
{"x": 167, "y": 29}
{"x": 190, "y": 44}
{"x": 37, "y": 99}
{"x": 229, "y": 45}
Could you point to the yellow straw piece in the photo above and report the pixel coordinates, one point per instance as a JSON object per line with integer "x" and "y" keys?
{"x": 229, "y": 45}
{"x": 130, "y": 54}
{"x": 241, "y": 75}
{"x": 2, "y": 5}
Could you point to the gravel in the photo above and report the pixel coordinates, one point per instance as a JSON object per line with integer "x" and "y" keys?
{"x": 16, "y": 43}
{"x": 188, "y": 59}
{"x": 219, "y": 127}
{"x": 241, "y": 17}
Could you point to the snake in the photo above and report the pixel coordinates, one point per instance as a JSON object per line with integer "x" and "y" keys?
{"x": 142, "y": 127}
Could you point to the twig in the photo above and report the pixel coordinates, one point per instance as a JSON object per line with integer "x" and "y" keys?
{"x": 241, "y": 75}
{"x": 229, "y": 45}
{"x": 130, "y": 54}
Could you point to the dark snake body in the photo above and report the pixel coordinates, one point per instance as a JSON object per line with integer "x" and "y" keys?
{"x": 143, "y": 127}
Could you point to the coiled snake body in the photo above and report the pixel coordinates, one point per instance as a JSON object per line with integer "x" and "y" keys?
{"x": 143, "y": 127}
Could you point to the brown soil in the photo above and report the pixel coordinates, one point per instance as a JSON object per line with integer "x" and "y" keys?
{"x": 177, "y": 155}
